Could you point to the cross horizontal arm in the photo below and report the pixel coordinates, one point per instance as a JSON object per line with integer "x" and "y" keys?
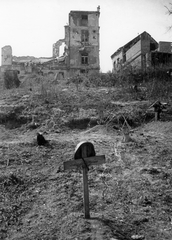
{"x": 77, "y": 163}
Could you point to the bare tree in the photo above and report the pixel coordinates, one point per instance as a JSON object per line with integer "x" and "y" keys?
{"x": 169, "y": 12}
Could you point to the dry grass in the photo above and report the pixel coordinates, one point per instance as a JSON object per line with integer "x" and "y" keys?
{"x": 129, "y": 195}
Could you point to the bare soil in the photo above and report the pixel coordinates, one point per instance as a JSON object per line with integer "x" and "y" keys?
{"x": 130, "y": 195}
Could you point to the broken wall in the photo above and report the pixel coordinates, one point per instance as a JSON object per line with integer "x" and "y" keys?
{"x": 134, "y": 51}
{"x": 117, "y": 61}
{"x": 56, "y": 48}
{"x": 75, "y": 18}
{"x": 165, "y": 47}
{"x": 81, "y": 44}
{"x": 6, "y": 58}
{"x": 133, "y": 55}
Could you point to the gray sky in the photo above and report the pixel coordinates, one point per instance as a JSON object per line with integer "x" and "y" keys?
{"x": 32, "y": 26}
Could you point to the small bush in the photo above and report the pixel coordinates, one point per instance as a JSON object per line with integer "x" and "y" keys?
{"x": 77, "y": 80}
{"x": 11, "y": 79}
{"x": 102, "y": 79}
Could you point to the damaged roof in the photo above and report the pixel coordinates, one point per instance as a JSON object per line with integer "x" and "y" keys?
{"x": 132, "y": 42}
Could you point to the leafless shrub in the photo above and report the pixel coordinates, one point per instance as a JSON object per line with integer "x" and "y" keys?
{"x": 11, "y": 79}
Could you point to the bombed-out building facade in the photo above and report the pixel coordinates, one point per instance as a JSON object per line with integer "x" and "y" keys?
{"x": 80, "y": 45}
{"x": 76, "y": 53}
{"x": 143, "y": 53}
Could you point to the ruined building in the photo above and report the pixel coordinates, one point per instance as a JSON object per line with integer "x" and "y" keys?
{"x": 142, "y": 54}
{"x": 76, "y": 53}
{"x": 81, "y": 45}
{"x": 6, "y": 58}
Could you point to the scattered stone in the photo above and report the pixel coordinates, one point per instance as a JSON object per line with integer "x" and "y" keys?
{"x": 33, "y": 125}
{"x": 58, "y": 170}
{"x": 41, "y": 140}
{"x": 146, "y": 201}
{"x": 140, "y": 221}
{"x": 152, "y": 171}
{"x": 140, "y": 237}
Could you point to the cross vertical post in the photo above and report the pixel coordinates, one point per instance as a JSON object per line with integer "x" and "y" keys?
{"x": 85, "y": 184}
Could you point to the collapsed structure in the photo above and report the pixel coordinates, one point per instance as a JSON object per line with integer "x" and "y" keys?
{"x": 81, "y": 44}
{"x": 80, "y": 49}
{"x": 142, "y": 54}
{"x": 6, "y": 58}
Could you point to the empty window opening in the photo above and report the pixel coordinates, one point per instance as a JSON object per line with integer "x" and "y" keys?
{"x": 84, "y": 36}
{"x": 62, "y": 49}
{"x": 84, "y": 20}
{"x": 152, "y": 46}
{"x": 85, "y": 17}
{"x": 84, "y": 58}
{"x": 83, "y": 71}
{"x": 61, "y": 75}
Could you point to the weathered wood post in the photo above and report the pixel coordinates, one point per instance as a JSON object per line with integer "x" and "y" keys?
{"x": 157, "y": 110}
{"x": 157, "y": 116}
{"x": 84, "y": 157}
{"x": 85, "y": 180}
{"x": 126, "y": 135}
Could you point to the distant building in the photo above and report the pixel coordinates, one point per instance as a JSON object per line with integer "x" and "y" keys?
{"x": 142, "y": 53}
{"x": 77, "y": 53}
{"x": 81, "y": 51}
{"x": 6, "y": 58}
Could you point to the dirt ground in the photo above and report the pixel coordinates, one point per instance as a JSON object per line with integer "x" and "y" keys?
{"x": 130, "y": 195}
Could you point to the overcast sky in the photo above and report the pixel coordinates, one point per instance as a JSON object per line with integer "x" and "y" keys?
{"x": 32, "y": 26}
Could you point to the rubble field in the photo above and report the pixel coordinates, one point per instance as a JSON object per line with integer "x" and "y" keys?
{"x": 130, "y": 195}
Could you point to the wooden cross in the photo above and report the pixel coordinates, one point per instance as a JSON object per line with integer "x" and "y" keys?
{"x": 158, "y": 108}
{"x": 85, "y": 157}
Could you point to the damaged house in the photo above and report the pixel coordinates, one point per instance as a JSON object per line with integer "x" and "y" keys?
{"x": 76, "y": 53}
{"x": 142, "y": 54}
{"x": 80, "y": 45}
